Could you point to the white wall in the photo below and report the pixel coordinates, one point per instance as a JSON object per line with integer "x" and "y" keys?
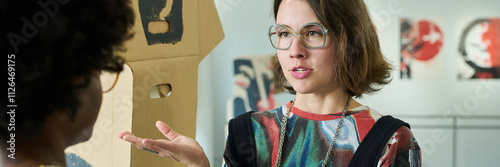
{"x": 441, "y": 97}
{"x": 245, "y": 25}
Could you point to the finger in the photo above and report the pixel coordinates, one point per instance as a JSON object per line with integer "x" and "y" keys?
{"x": 163, "y": 144}
{"x": 125, "y": 133}
{"x": 166, "y": 130}
{"x": 120, "y": 135}
{"x": 137, "y": 141}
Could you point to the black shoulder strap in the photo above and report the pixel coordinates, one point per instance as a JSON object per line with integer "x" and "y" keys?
{"x": 370, "y": 149}
{"x": 241, "y": 140}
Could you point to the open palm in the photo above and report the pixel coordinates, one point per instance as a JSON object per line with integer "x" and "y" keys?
{"x": 179, "y": 147}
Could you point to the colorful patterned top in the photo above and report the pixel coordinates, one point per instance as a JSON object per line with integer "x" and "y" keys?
{"x": 309, "y": 135}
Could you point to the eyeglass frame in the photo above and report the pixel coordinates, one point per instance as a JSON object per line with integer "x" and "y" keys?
{"x": 117, "y": 75}
{"x": 295, "y": 34}
{"x": 114, "y": 83}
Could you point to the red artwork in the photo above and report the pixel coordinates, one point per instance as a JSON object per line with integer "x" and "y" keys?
{"x": 421, "y": 42}
{"x": 480, "y": 49}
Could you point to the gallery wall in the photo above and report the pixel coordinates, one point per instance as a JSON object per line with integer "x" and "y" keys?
{"x": 456, "y": 121}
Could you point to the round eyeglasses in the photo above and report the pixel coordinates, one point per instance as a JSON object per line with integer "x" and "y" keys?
{"x": 311, "y": 35}
{"x": 108, "y": 80}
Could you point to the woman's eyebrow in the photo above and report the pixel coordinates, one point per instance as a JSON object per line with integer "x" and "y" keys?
{"x": 284, "y": 25}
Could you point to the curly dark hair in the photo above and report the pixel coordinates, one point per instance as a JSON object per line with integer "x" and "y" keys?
{"x": 56, "y": 44}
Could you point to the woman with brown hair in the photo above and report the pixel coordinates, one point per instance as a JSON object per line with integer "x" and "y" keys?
{"x": 328, "y": 53}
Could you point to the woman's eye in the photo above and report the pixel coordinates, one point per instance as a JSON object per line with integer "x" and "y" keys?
{"x": 284, "y": 34}
{"x": 312, "y": 33}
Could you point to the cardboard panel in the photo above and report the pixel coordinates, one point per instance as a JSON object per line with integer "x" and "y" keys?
{"x": 210, "y": 29}
{"x": 180, "y": 40}
{"x": 178, "y": 110}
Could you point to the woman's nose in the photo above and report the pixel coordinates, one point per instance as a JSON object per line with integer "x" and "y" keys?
{"x": 297, "y": 49}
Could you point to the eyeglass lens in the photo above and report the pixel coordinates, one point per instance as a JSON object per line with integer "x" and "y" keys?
{"x": 311, "y": 35}
{"x": 108, "y": 80}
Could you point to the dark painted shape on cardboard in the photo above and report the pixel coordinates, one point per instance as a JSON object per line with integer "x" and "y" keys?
{"x": 150, "y": 11}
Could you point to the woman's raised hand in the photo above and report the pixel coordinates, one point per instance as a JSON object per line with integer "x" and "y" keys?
{"x": 179, "y": 147}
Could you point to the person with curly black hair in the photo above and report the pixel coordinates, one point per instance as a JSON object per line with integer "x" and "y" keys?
{"x": 53, "y": 52}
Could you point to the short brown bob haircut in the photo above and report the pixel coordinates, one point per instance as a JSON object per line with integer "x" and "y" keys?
{"x": 360, "y": 67}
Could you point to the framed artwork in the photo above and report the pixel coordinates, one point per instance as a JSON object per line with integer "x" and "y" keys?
{"x": 479, "y": 49}
{"x": 421, "y": 42}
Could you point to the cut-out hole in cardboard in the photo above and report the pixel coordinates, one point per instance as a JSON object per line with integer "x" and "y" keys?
{"x": 158, "y": 27}
{"x": 160, "y": 91}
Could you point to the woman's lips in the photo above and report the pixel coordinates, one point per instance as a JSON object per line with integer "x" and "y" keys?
{"x": 300, "y": 72}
